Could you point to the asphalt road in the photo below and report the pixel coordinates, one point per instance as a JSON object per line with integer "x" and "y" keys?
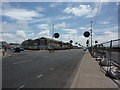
{"x": 40, "y": 69}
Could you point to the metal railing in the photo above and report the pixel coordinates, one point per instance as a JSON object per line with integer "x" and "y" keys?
{"x": 108, "y": 56}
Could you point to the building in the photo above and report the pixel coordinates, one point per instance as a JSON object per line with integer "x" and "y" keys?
{"x": 13, "y": 45}
{"x": 43, "y": 44}
{"x": 3, "y": 44}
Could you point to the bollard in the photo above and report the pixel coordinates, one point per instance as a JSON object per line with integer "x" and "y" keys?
{"x": 3, "y": 53}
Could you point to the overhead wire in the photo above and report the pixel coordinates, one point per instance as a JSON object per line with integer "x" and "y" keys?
{"x": 96, "y": 17}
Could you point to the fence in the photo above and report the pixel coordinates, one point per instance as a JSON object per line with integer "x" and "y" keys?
{"x": 108, "y": 56}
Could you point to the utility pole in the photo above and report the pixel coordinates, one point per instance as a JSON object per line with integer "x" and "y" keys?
{"x": 69, "y": 37}
{"x": 91, "y": 33}
{"x": 52, "y": 38}
{"x": 53, "y": 31}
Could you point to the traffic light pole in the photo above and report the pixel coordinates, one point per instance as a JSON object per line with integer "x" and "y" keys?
{"x": 52, "y": 37}
{"x": 53, "y": 31}
{"x": 91, "y": 33}
{"x": 91, "y": 38}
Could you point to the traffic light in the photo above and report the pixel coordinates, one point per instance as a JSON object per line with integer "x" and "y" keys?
{"x": 87, "y": 42}
{"x": 96, "y": 41}
{"x": 86, "y": 34}
{"x": 76, "y": 43}
{"x": 56, "y": 35}
{"x": 71, "y": 41}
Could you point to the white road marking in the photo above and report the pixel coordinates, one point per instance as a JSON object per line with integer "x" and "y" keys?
{"x": 51, "y": 68}
{"x": 40, "y": 76}
{"x": 20, "y": 87}
{"x": 22, "y": 62}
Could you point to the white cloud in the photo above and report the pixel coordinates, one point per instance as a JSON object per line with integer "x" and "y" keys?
{"x": 40, "y": 9}
{"x": 10, "y": 37}
{"x": 82, "y": 10}
{"x": 18, "y": 37}
{"x": 22, "y": 23}
{"x": 8, "y": 27}
{"x": 76, "y": 38}
{"x": 118, "y": 3}
{"x": 61, "y": 25}
{"x": 104, "y": 22}
{"x": 31, "y": 34}
{"x": 70, "y": 31}
{"x": 52, "y": 5}
{"x": 109, "y": 28}
{"x": 44, "y": 33}
{"x": 85, "y": 28}
{"x": 82, "y": 40}
{"x": 21, "y": 34}
{"x": 92, "y": 13}
{"x": 66, "y": 36}
{"x": 63, "y": 17}
{"x": 21, "y": 14}
{"x": 55, "y": 4}
{"x": 43, "y": 26}
{"x": 108, "y": 35}
{"x": 47, "y": 20}
{"x": 14, "y": 26}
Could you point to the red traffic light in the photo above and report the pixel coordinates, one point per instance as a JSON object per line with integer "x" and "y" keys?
{"x": 86, "y": 34}
{"x": 56, "y": 35}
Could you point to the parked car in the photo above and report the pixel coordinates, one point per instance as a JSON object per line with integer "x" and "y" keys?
{"x": 17, "y": 50}
{"x": 85, "y": 49}
{"x": 22, "y": 49}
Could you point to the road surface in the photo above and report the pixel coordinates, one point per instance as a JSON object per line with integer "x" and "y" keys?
{"x": 40, "y": 69}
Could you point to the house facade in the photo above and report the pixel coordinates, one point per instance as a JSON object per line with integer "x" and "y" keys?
{"x": 43, "y": 44}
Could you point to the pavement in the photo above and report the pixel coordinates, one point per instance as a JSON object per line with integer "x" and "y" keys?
{"x": 7, "y": 54}
{"x": 89, "y": 75}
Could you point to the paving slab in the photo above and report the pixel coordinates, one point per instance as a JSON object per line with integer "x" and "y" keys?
{"x": 89, "y": 75}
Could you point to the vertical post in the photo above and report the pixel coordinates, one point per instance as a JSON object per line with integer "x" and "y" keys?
{"x": 53, "y": 31}
{"x": 91, "y": 37}
{"x": 69, "y": 37}
{"x": 52, "y": 37}
{"x": 110, "y": 53}
{"x": 91, "y": 33}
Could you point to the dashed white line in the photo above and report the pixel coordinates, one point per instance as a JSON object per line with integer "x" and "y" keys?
{"x": 51, "y": 68}
{"x": 20, "y": 87}
{"x": 22, "y": 62}
{"x": 40, "y": 76}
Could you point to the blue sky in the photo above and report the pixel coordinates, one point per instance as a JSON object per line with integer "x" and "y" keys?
{"x": 31, "y": 20}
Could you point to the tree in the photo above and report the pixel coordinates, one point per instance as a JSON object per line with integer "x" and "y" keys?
{"x": 76, "y": 43}
{"x": 71, "y": 41}
{"x": 79, "y": 44}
